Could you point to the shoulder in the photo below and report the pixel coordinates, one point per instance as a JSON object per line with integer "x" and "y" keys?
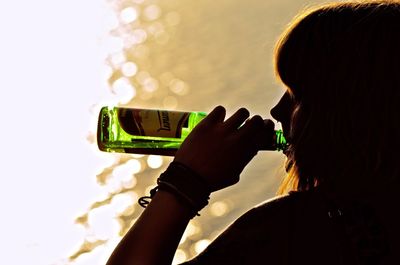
{"x": 277, "y": 224}
{"x": 277, "y": 209}
{"x": 261, "y": 232}
{"x": 272, "y": 218}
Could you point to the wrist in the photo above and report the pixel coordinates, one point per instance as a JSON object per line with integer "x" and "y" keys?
{"x": 185, "y": 185}
{"x": 174, "y": 204}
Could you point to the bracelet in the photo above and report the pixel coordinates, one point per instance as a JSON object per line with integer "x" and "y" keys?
{"x": 187, "y": 185}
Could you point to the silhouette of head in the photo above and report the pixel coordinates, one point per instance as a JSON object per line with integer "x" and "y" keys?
{"x": 341, "y": 65}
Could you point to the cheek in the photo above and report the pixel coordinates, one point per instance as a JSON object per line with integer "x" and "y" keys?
{"x": 292, "y": 119}
{"x": 298, "y": 121}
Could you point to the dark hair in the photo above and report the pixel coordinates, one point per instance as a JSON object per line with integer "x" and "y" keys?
{"x": 341, "y": 64}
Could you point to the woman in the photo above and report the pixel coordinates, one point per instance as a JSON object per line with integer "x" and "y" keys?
{"x": 341, "y": 65}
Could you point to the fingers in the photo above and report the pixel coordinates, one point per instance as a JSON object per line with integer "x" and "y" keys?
{"x": 256, "y": 123}
{"x": 237, "y": 119}
{"x": 256, "y": 133}
{"x": 269, "y": 125}
{"x": 216, "y": 115}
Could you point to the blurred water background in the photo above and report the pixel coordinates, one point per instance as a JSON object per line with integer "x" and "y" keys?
{"x": 62, "y": 200}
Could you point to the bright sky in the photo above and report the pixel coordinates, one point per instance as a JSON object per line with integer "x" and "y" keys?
{"x": 52, "y": 63}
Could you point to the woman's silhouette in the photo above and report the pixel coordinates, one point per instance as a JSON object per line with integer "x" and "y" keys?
{"x": 340, "y": 63}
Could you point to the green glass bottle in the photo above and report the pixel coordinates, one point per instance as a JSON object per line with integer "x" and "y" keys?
{"x": 149, "y": 131}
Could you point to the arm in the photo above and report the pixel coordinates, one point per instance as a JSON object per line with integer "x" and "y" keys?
{"x": 217, "y": 151}
{"x": 154, "y": 237}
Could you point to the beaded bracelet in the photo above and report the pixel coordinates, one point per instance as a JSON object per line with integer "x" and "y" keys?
{"x": 187, "y": 185}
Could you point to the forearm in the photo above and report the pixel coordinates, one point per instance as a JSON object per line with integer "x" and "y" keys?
{"x": 211, "y": 158}
{"x": 154, "y": 237}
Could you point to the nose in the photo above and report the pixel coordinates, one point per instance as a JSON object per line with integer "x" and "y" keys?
{"x": 275, "y": 113}
{"x": 281, "y": 111}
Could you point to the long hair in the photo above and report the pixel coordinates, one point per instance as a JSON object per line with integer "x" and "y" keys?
{"x": 341, "y": 64}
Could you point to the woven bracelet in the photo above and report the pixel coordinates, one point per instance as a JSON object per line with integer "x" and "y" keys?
{"x": 187, "y": 185}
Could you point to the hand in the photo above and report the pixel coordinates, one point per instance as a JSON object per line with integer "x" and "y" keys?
{"x": 219, "y": 150}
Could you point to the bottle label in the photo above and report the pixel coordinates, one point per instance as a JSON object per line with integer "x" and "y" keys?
{"x": 155, "y": 123}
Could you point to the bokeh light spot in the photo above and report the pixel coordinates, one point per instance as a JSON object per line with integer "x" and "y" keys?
{"x": 219, "y": 208}
{"x": 121, "y": 202}
{"x": 152, "y": 12}
{"x": 154, "y": 161}
{"x": 117, "y": 59}
{"x": 155, "y": 28}
{"x": 137, "y": 36}
{"x": 125, "y": 171}
{"x": 178, "y": 86}
{"x": 128, "y": 15}
{"x": 142, "y": 76}
{"x": 134, "y": 165}
{"x": 180, "y": 256}
{"x": 192, "y": 230}
{"x": 130, "y": 183}
{"x": 129, "y": 69}
{"x": 123, "y": 88}
{"x": 170, "y": 102}
{"x": 140, "y": 35}
{"x": 201, "y": 245}
{"x": 150, "y": 84}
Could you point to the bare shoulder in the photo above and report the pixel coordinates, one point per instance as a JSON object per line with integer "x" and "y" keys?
{"x": 277, "y": 210}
